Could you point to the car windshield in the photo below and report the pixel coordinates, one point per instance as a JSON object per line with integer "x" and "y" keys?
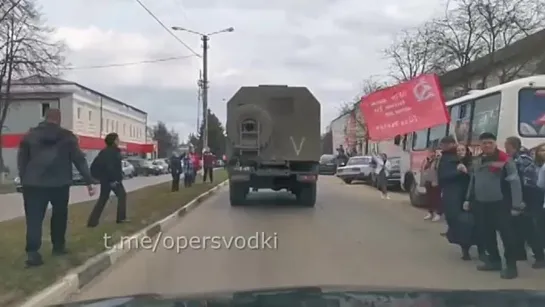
{"x": 327, "y": 158}
{"x": 359, "y": 161}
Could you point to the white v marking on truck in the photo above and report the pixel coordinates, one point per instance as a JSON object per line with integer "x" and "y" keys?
{"x": 297, "y": 149}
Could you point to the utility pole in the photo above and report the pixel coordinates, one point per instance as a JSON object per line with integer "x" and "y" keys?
{"x": 199, "y": 101}
{"x": 205, "y": 89}
{"x": 204, "y": 82}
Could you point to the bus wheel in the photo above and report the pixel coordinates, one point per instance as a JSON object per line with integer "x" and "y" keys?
{"x": 414, "y": 196}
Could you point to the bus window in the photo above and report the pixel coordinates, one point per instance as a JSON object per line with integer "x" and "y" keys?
{"x": 460, "y": 116}
{"x": 420, "y": 140}
{"x": 532, "y": 112}
{"x": 486, "y": 116}
{"x": 397, "y": 140}
{"x": 436, "y": 134}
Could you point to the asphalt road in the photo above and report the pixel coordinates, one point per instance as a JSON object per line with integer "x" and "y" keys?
{"x": 352, "y": 237}
{"x": 11, "y": 205}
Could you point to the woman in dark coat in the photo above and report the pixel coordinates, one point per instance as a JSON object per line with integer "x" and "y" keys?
{"x": 453, "y": 174}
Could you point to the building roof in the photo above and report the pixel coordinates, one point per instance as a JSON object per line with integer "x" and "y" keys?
{"x": 526, "y": 48}
{"x": 45, "y": 80}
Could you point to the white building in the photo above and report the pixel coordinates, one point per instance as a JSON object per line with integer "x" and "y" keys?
{"x": 89, "y": 114}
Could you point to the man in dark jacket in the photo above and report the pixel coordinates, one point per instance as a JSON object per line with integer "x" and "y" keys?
{"x": 175, "y": 171}
{"x": 495, "y": 194}
{"x": 110, "y": 175}
{"x": 208, "y": 160}
{"x": 525, "y": 225}
{"x": 45, "y": 158}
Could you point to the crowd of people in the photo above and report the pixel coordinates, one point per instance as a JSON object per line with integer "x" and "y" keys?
{"x": 186, "y": 165}
{"x": 493, "y": 192}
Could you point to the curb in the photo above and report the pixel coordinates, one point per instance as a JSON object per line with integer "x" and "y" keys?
{"x": 81, "y": 276}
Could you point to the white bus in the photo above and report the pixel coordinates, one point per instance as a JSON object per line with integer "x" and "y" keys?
{"x": 516, "y": 108}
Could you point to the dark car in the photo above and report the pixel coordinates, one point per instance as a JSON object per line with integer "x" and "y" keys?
{"x": 328, "y": 165}
{"x": 77, "y": 179}
{"x": 143, "y": 167}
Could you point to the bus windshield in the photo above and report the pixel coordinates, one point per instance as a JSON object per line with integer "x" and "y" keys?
{"x": 532, "y": 112}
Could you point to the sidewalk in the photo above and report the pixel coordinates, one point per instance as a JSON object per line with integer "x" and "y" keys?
{"x": 11, "y": 205}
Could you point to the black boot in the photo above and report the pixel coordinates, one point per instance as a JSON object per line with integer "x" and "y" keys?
{"x": 34, "y": 259}
{"x": 490, "y": 266}
{"x": 465, "y": 253}
{"x": 510, "y": 271}
{"x": 539, "y": 264}
{"x": 59, "y": 251}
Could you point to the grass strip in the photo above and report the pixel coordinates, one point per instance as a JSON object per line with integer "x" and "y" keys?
{"x": 144, "y": 207}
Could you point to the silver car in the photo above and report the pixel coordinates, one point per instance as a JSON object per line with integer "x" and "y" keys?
{"x": 357, "y": 168}
{"x": 128, "y": 169}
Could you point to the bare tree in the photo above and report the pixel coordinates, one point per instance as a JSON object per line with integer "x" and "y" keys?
{"x": 368, "y": 86}
{"x": 504, "y": 22}
{"x": 413, "y": 53}
{"x": 457, "y": 34}
{"x": 26, "y": 49}
{"x": 473, "y": 29}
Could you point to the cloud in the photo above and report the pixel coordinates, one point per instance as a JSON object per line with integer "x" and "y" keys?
{"x": 327, "y": 45}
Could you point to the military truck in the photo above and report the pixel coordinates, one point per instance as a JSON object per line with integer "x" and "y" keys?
{"x": 273, "y": 142}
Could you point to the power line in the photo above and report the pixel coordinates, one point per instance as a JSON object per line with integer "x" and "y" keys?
{"x": 166, "y": 28}
{"x": 128, "y": 63}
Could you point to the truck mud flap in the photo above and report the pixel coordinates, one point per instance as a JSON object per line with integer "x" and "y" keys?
{"x": 240, "y": 177}
{"x": 307, "y": 178}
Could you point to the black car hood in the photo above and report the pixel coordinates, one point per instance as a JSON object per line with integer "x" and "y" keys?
{"x": 334, "y": 296}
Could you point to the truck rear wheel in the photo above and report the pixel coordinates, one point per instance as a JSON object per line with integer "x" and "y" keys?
{"x": 237, "y": 194}
{"x": 306, "y": 194}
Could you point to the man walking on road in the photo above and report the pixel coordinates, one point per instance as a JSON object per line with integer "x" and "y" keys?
{"x": 108, "y": 170}
{"x": 495, "y": 195}
{"x": 208, "y": 165}
{"x": 45, "y": 158}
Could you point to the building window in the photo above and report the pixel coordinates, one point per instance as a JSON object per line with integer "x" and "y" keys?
{"x": 116, "y": 126}
{"x": 107, "y": 125}
{"x": 124, "y": 129}
{"x": 90, "y": 115}
{"x": 45, "y": 107}
{"x": 79, "y": 113}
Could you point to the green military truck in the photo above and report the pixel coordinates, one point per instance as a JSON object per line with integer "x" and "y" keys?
{"x": 273, "y": 142}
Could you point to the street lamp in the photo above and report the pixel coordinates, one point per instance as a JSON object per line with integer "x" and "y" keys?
{"x": 204, "y": 38}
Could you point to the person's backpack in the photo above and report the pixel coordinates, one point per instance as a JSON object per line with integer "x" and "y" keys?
{"x": 528, "y": 171}
{"x": 97, "y": 167}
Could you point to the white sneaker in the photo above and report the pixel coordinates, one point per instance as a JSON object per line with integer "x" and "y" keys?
{"x": 428, "y": 216}
{"x": 436, "y": 218}
{"x": 381, "y": 195}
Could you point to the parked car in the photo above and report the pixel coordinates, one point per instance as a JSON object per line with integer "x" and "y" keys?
{"x": 394, "y": 177}
{"x": 328, "y": 165}
{"x": 357, "y": 168}
{"x": 129, "y": 170}
{"x": 143, "y": 167}
{"x": 161, "y": 166}
{"x": 77, "y": 180}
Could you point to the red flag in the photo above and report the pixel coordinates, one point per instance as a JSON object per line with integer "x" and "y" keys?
{"x": 404, "y": 108}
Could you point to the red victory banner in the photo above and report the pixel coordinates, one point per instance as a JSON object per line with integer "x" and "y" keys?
{"x": 404, "y": 108}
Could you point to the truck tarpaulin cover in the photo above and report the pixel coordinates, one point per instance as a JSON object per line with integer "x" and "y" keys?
{"x": 410, "y": 106}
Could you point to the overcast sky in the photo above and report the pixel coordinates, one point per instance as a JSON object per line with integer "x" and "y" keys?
{"x": 326, "y": 45}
